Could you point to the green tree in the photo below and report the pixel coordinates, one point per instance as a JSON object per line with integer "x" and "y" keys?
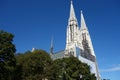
{"x": 7, "y": 58}
{"x": 38, "y": 65}
{"x": 71, "y": 69}
{"x": 34, "y": 65}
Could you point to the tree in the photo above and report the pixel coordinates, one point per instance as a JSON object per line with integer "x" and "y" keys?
{"x": 7, "y": 58}
{"x": 38, "y": 65}
{"x": 71, "y": 69}
{"x": 34, "y": 65}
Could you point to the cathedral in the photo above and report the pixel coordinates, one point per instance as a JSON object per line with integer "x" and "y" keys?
{"x": 78, "y": 43}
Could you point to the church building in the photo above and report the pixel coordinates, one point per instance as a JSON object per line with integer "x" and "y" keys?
{"x": 78, "y": 43}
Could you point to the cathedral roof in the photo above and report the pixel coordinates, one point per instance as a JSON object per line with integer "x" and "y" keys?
{"x": 58, "y": 55}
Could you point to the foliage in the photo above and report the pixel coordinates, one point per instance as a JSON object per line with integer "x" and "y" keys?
{"x": 38, "y": 65}
{"x": 7, "y": 58}
{"x": 71, "y": 69}
{"x": 35, "y": 65}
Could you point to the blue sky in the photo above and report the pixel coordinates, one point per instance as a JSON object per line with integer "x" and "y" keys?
{"x": 34, "y": 22}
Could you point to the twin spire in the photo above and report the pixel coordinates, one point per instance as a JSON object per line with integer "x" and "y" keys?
{"x": 73, "y": 17}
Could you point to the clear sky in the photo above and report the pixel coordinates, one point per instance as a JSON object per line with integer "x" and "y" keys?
{"x": 34, "y": 22}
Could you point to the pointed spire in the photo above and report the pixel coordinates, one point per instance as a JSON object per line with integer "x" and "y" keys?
{"x": 51, "y": 46}
{"x": 83, "y": 24}
{"x": 72, "y": 12}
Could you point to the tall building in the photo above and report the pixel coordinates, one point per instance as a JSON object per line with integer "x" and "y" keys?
{"x": 78, "y": 43}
